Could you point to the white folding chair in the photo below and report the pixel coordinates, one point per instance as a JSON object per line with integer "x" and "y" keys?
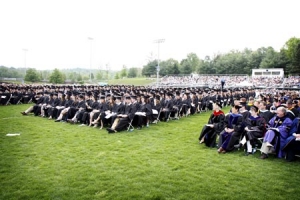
{"x": 130, "y": 127}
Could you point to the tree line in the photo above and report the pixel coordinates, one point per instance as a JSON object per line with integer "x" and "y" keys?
{"x": 233, "y": 62}
{"x": 76, "y": 75}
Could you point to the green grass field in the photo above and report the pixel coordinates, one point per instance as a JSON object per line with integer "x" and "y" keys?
{"x": 62, "y": 161}
{"x": 132, "y": 81}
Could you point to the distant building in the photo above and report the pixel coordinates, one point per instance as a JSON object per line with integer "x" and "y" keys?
{"x": 272, "y": 72}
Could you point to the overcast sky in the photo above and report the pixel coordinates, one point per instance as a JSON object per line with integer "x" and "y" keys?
{"x": 55, "y": 33}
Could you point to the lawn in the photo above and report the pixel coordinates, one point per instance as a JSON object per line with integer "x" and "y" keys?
{"x": 132, "y": 81}
{"x": 62, "y": 161}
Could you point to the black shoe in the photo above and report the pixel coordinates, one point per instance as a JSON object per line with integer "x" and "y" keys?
{"x": 57, "y": 120}
{"x": 248, "y": 153}
{"x": 263, "y": 156}
{"x": 110, "y": 130}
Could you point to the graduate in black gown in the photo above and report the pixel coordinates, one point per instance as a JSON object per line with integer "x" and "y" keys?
{"x": 213, "y": 127}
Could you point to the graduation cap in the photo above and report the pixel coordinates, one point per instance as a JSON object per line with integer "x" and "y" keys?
{"x": 118, "y": 97}
{"x": 255, "y": 108}
{"x": 133, "y": 96}
{"x": 170, "y": 94}
{"x": 218, "y": 104}
{"x": 237, "y": 106}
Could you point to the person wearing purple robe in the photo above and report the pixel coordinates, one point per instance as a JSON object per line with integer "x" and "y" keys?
{"x": 292, "y": 143}
{"x": 232, "y": 131}
{"x": 278, "y": 131}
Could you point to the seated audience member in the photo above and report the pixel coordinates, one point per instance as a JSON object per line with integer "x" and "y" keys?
{"x": 292, "y": 143}
{"x": 244, "y": 111}
{"x": 278, "y": 126}
{"x": 177, "y": 103}
{"x": 38, "y": 108}
{"x": 156, "y": 109}
{"x": 214, "y": 126}
{"x": 75, "y": 111}
{"x": 52, "y": 112}
{"x": 233, "y": 129}
{"x": 264, "y": 112}
{"x": 123, "y": 120}
{"x": 63, "y": 113}
{"x": 167, "y": 106}
{"x": 115, "y": 108}
{"x": 255, "y": 128}
{"x": 53, "y": 102}
{"x": 194, "y": 103}
{"x": 144, "y": 112}
{"x": 291, "y": 111}
{"x": 186, "y": 105}
{"x": 39, "y": 100}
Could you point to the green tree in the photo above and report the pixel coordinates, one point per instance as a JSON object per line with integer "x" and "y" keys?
{"x": 292, "y": 51}
{"x": 150, "y": 69}
{"x": 79, "y": 78}
{"x": 169, "y": 67}
{"x": 99, "y": 75}
{"x": 132, "y": 73}
{"x": 45, "y": 75}
{"x": 117, "y": 76}
{"x": 123, "y": 72}
{"x": 72, "y": 76}
{"x": 56, "y": 77}
{"x": 32, "y": 75}
{"x": 269, "y": 59}
{"x": 194, "y": 61}
{"x": 185, "y": 67}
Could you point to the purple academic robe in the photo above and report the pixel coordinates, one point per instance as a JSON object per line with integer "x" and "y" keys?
{"x": 283, "y": 124}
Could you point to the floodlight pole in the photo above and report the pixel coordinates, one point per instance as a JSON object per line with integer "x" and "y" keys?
{"x": 158, "y": 41}
{"x": 91, "y": 39}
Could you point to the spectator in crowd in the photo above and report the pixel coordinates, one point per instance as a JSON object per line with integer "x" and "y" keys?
{"x": 278, "y": 129}
{"x": 292, "y": 144}
{"x": 233, "y": 129}
{"x": 214, "y": 126}
{"x": 255, "y": 127}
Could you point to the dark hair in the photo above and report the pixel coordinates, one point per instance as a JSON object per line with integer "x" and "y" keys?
{"x": 255, "y": 108}
{"x": 236, "y": 106}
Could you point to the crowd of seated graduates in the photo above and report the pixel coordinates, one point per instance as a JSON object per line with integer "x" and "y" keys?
{"x": 270, "y": 124}
{"x": 119, "y": 107}
{"x": 256, "y": 115}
